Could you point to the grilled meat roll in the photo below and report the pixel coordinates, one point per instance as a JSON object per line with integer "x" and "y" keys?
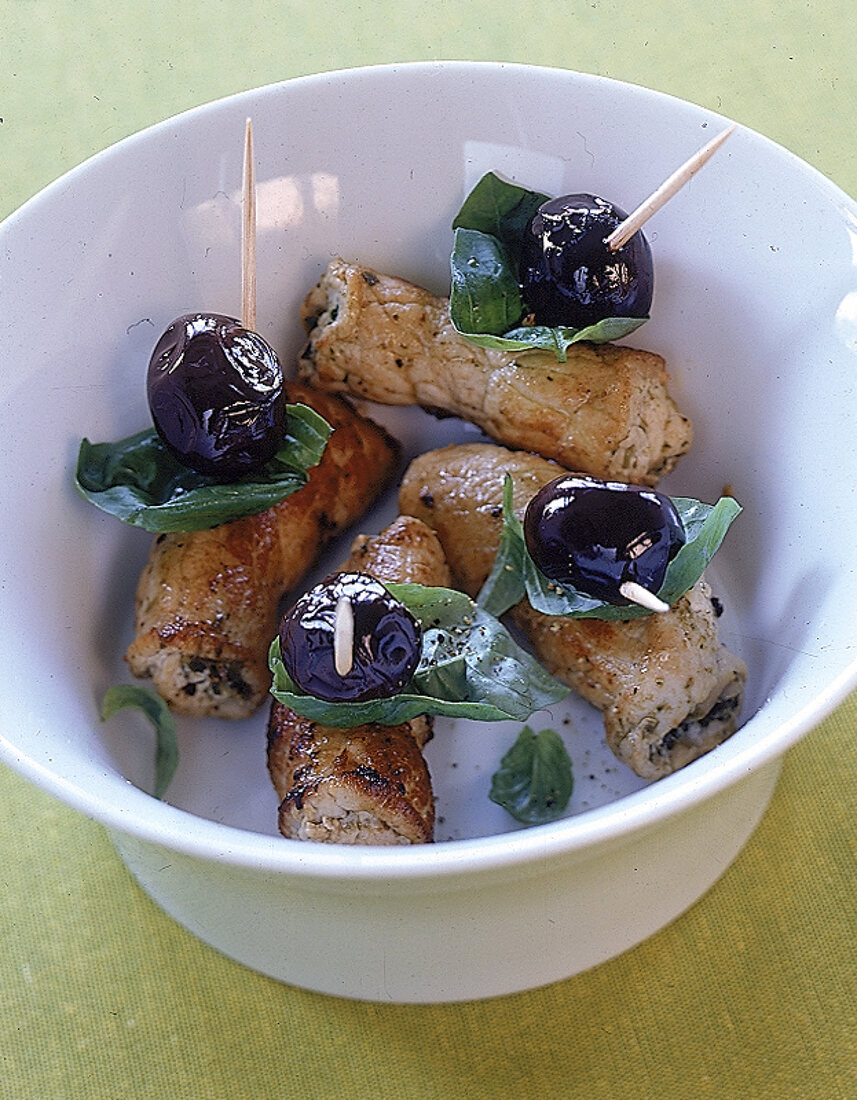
{"x": 606, "y": 411}
{"x": 668, "y": 688}
{"x": 207, "y": 601}
{"x": 370, "y": 784}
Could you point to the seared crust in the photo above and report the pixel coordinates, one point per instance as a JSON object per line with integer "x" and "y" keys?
{"x": 370, "y": 784}
{"x": 605, "y": 412}
{"x": 408, "y": 551}
{"x": 207, "y": 601}
{"x": 668, "y": 688}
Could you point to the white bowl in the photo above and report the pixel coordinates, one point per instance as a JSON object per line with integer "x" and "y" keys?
{"x": 756, "y": 314}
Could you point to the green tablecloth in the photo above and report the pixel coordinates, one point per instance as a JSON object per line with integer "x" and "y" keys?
{"x": 753, "y": 993}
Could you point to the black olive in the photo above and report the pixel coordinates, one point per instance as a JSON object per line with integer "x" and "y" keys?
{"x": 376, "y": 661}
{"x": 216, "y": 395}
{"x": 568, "y": 274}
{"x": 597, "y": 535}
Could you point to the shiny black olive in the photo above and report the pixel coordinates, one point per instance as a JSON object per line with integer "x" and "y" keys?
{"x": 380, "y": 649}
{"x": 216, "y": 396}
{"x": 597, "y": 535}
{"x": 570, "y": 277}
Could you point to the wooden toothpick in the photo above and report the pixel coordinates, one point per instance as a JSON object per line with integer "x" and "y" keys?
{"x": 626, "y": 229}
{"x": 642, "y": 596}
{"x": 343, "y": 636}
{"x": 248, "y": 234}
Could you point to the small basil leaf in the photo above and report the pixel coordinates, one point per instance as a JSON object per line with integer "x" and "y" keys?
{"x": 514, "y": 573}
{"x": 602, "y": 332}
{"x": 466, "y": 647}
{"x": 140, "y": 482}
{"x": 504, "y": 586}
{"x": 501, "y": 209}
{"x": 559, "y": 340}
{"x": 307, "y": 433}
{"x": 535, "y": 780}
{"x": 555, "y": 340}
{"x": 156, "y": 710}
{"x": 469, "y": 668}
{"x": 705, "y": 528}
{"x": 484, "y": 295}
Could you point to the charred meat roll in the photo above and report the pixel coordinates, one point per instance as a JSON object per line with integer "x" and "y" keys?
{"x": 207, "y": 601}
{"x": 668, "y": 688}
{"x": 370, "y": 784}
{"x": 606, "y": 411}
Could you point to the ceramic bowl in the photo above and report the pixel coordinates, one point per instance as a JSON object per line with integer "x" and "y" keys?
{"x": 755, "y": 312}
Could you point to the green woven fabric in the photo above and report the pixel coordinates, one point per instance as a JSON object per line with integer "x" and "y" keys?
{"x": 753, "y": 992}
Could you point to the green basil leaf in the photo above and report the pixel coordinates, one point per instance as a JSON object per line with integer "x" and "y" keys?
{"x": 486, "y": 306}
{"x": 470, "y": 667}
{"x": 484, "y": 295}
{"x": 500, "y": 209}
{"x": 535, "y": 780}
{"x": 456, "y": 632}
{"x": 307, "y": 433}
{"x": 515, "y": 574}
{"x": 504, "y": 586}
{"x": 555, "y": 340}
{"x": 158, "y": 713}
{"x": 140, "y": 482}
{"x": 705, "y": 528}
{"x": 559, "y": 340}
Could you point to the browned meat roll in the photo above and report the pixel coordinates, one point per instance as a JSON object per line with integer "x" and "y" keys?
{"x": 668, "y": 688}
{"x": 207, "y": 601}
{"x": 370, "y": 784}
{"x": 605, "y": 412}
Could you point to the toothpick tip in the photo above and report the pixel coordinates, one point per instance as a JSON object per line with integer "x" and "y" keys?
{"x": 343, "y": 636}
{"x": 643, "y": 597}
{"x": 626, "y": 229}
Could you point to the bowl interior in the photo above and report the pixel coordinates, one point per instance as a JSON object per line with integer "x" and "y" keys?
{"x": 755, "y": 312}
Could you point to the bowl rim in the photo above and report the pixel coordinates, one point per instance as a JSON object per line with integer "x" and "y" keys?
{"x": 139, "y": 815}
